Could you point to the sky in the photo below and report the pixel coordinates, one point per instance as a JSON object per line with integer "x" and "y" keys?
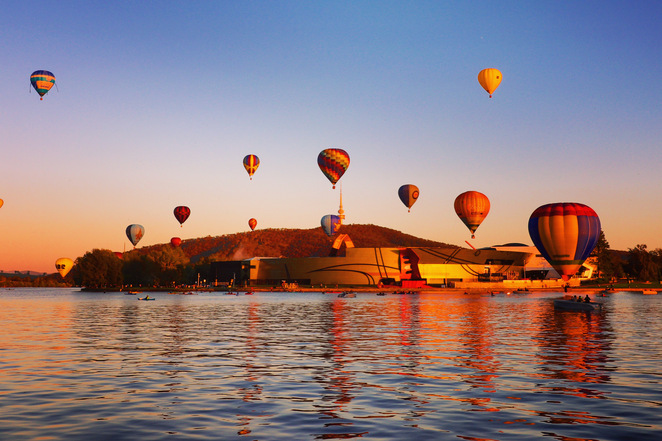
{"x": 157, "y": 103}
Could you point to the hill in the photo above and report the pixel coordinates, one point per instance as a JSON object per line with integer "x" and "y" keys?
{"x": 280, "y": 242}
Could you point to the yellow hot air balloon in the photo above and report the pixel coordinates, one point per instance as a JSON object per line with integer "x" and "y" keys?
{"x": 63, "y": 265}
{"x": 490, "y": 79}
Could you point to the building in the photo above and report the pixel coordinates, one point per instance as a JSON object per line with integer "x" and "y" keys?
{"x": 406, "y": 266}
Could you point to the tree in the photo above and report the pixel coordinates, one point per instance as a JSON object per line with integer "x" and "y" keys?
{"x": 99, "y": 269}
{"x": 641, "y": 265}
{"x": 603, "y": 255}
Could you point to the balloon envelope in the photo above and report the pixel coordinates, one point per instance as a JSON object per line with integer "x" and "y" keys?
{"x": 175, "y": 242}
{"x": 565, "y": 233}
{"x": 42, "y": 81}
{"x": 63, "y": 265}
{"x": 330, "y": 224}
{"x": 408, "y": 194}
{"x": 182, "y": 213}
{"x": 490, "y": 79}
{"x": 135, "y": 232}
{"x": 333, "y": 163}
{"x": 252, "y": 222}
{"x": 251, "y": 163}
{"x": 2, "y": 202}
{"x": 472, "y": 207}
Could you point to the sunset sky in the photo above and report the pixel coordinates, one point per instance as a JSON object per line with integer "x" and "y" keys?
{"x": 157, "y": 103}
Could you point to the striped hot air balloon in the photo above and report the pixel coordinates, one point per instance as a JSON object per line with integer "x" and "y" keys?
{"x": 472, "y": 207}
{"x": 135, "y": 232}
{"x": 565, "y": 233}
{"x": 252, "y": 223}
{"x": 330, "y": 224}
{"x": 251, "y": 163}
{"x": 42, "y": 81}
{"x": 333, "y": 163}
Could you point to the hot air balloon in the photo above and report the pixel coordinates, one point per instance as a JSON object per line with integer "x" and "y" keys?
{"x": 181, "y": 214}
{"x": 408, "y": 195}
{"x": 2, "y": 203}
{"x": 42, "y": 81}
{"x": 472, "y": 207}
{"x": 490, "y": 79}
{"x": 135, "y": 232}
{"x": 251, "y": 163}
{"x": 63, "y": 265}
{"x": 330, "y": 224}
{"x": 119, "y": 255}
{"x": 333, "y": 163}
{"x": 565, "y": 233}
{"x": 252, "y": 223}
{"x": 175, "y": 242}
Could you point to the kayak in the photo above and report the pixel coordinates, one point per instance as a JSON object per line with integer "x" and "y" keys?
{"x": 145, "y": 298}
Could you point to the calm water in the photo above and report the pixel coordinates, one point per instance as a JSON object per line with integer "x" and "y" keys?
{"x": 293, "y": 366}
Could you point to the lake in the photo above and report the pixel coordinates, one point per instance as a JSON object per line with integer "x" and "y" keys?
{"x": 312, "y": 366}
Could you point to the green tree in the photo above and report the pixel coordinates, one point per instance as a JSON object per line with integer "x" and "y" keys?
{"x": 98, "y": 269}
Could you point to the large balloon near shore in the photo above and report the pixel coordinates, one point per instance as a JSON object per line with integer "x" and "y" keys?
{"x": 408, "y": 195}
{"x": 181, "y": 214}
{"x": 252, "y": 223}
{"x": 490, "y": 79}
{"x": 42, "y": 81}
{"x": 333, "y": 163}
{"x": 63, "y": 265}
{"x": 330, "y": 224}
{"x": 135, "y": 232}
{"x": 472, "y": 207}
{"x": 565, "y": 233}
{"x": 175, "y": 242}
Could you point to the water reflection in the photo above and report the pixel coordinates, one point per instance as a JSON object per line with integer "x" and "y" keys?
{"x": 316, "y": 366}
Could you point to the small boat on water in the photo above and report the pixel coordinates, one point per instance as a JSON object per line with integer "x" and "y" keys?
{"x": 649, "y": 291}
{"x": 572, "y": 305}
{"x": 347, "y": 294}
{"x": 132, "y": 293}
{"x": 146, "y": 298}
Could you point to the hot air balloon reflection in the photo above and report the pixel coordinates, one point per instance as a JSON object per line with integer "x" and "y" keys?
{"x": 252, "y": 223}
{"x": 333, "y": 163}
{"x": 63, "y": 265}
{"x": 565, "y": 233}
{"x": 490, "y": 79}
{"x": 330, "y": 224}
{"x": 175, "y": 242}
{"x": 472, "y": 207}
{"x": 135, "y": 232}
{"x": 251, "y": 163}
{"x": 42, "y": 81}
{"x": 181, "y": 214}
{"x": 408, "y": 195}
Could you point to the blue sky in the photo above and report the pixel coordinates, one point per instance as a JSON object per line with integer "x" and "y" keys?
{"x": 157, "y": 104}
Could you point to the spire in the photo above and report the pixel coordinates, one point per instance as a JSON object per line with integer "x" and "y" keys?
{"x": 341, "y": 212}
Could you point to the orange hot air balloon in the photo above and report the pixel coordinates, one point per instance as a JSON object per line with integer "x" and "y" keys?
{"x": 63, "y": 265}
{"x": 175, "y": 242}
{"x": 251, "y": 163}
{"x": 565, "y": 233}
{"x": 490, "y": 79}
{"x": 252, "y": 223}
{"x": 472, "y": 207}
{"x": 118, "y": 254}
